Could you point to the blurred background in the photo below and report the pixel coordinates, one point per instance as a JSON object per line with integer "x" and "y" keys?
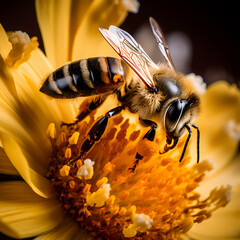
{"x": 203, "y": 36}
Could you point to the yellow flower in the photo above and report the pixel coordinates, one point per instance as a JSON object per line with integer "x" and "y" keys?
{"x": 163, "y": 199}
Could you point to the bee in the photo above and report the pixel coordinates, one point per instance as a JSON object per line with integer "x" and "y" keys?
{"x": 158, "y": 94}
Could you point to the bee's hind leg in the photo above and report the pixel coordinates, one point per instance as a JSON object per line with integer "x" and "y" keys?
{"x": 94, "y": 104}
{"x": 150, "y": 135}
{"x": 96, "y": 132}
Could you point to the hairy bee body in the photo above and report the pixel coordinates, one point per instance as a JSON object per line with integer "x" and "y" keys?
{"x": 171, "y": 87}
{"x": 86, "y": 77}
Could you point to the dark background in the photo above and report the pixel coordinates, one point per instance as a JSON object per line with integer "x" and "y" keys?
{"x": 212, "y": 26}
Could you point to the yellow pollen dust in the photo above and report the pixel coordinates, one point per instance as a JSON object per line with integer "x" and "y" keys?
{"x": 117, "y": 78}
{"x": 86, "y": 170}
{"x": 158, "y": 201}
{"x": 22, "y": 46}
{"x": 141, "y": 222}
{"x": 99, "y": 198}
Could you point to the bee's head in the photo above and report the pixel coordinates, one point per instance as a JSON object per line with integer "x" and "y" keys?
{"x": 178, "y": 114}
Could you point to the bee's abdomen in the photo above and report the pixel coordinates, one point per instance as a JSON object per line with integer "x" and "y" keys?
{"x": 85, "y": 78}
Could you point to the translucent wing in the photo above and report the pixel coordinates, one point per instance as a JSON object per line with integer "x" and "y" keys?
{"x": 161, "y": 43}
{"x": 131, "y": 52}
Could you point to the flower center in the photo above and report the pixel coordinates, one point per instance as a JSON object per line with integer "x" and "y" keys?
{"x": 157, "y": 201}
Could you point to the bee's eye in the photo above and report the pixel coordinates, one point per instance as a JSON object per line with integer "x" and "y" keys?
{"x": 174, "y": 112}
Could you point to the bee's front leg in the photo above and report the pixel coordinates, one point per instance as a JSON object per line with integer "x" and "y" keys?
{"x": 150, "y": 135}
{"x": 170, "y": 144}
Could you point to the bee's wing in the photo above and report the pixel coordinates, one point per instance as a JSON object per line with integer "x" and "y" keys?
{"x": 161, "y": 43}
{"x": 131, "y": 52}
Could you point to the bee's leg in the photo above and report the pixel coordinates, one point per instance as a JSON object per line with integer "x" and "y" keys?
{"x": 96, "y": 132}
{"x": 94, "y": 104}
{"x": 170, "y": 144}
{"x": 150, "y": 135}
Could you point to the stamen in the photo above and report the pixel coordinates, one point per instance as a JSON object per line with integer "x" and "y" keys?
{"x": 122, "y": 211}
{"x": 22, "y": 46}
{"x": 111, "y": 200}
{"x": 86, "y": 170}
{"x": 68, "y": 153}
{"x": 186, "y": 224}
{"x": 64, "y": 171}
{"x": 74, "y": 138}
{"x": 160, "y": 191}
{"x": 141, "y": 222}
{"x": 99, "y": 198}
{"x": 102, "y": 181}
{"x": 51, "y": 131}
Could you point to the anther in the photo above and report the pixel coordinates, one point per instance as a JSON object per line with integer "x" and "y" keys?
{"x": 68, "y": 153}
{"x": 51, "y": 131}
{"x": 74, "y": 138}
{"x": 64, "y": 171}
{"x": 22, "y": 46}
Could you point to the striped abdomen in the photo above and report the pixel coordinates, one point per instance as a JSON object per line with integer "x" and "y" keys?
{"x": 86, "y": 77}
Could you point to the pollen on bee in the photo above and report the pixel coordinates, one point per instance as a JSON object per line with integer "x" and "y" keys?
{"x": 117, "y": 78}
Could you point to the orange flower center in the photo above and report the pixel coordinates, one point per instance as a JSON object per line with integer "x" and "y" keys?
{"x": 157, "y": 201}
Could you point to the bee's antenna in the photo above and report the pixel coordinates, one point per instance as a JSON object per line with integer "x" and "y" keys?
{"x": 186, "y": 143}
{"x": 198, "y": 141}
{"x": 188, "y": 138}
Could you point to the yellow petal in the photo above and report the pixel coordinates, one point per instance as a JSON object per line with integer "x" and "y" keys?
{"x": 6, "y": 166}
{"x": 5, "y": 45}
{"x": 54, "y": 21}
{"x": 88, "y": 41}
{"x": 37, "y": 182}
{"x": 225, "y": 222}
{"x": 219, "y": 105}
{"x": 33, "y": 73}
{"x": 23, "y": 213}
{"x": 65, "y": 231}
{"x": 25, "y": 133}
{"x": 6, "y": 80}
{"x": 219, "y": 226}
{"x": 39, "y": 65}
{"x": 78, "y": 11}
{"x": 25, "y": 119}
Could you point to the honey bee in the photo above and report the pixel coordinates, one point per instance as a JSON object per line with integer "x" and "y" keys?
{"x": 159, "y": 95}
